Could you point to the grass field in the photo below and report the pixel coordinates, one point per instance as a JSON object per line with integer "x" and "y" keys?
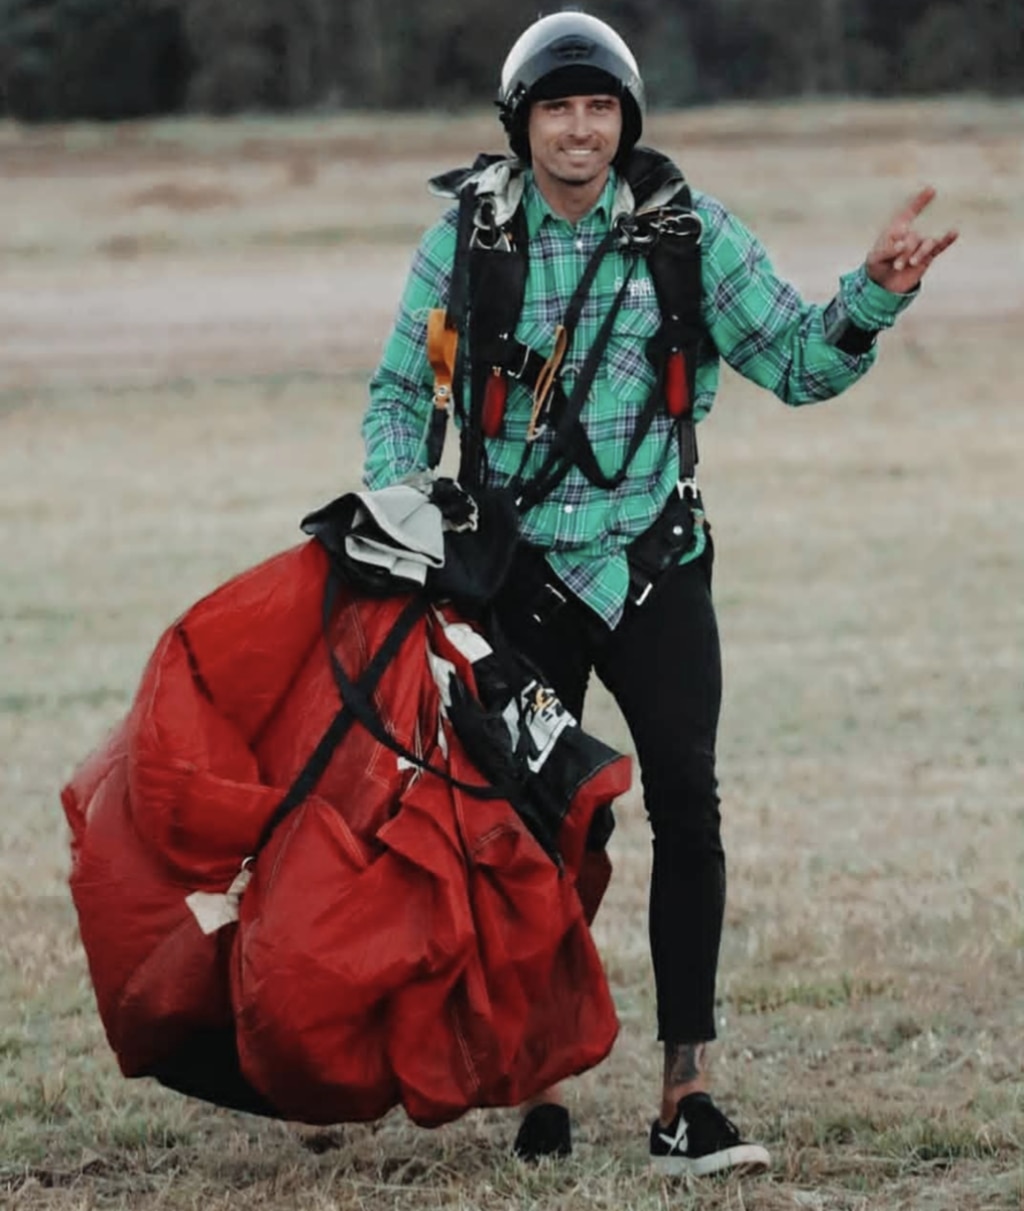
{"x": 188, "y": 314}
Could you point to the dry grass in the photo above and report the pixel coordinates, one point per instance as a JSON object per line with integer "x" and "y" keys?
{"x": 870, "y": 590}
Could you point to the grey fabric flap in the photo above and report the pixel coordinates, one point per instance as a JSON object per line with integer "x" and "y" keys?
{"x": 408, "y": 538}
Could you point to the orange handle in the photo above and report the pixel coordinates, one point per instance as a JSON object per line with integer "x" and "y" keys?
{"x": 442, "y": 346}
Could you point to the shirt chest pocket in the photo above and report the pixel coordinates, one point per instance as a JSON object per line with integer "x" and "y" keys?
{"x": 626, "y": 368}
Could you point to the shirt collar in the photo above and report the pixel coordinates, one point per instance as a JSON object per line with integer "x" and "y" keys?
{"x": 539, "y": 213}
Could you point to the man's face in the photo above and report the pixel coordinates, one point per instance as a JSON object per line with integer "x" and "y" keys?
{"x": 573, "y": 140}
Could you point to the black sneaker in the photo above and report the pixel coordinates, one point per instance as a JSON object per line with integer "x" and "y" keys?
{"x": 701, "y": 1140}
{"x": 544, "y": 1132}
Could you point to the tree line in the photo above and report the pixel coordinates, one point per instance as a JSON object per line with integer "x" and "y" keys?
{"x": 112, "y": 59}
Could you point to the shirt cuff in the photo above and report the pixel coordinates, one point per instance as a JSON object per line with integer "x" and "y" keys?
{"x": 869, "y": 305}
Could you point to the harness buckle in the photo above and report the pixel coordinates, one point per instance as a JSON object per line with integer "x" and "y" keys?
{"x": 687, "y": 488}
{"x": 644, "y": 230}
{"x": 682, "y": 223}
{"x": 635, "y": 234}
{"x": 518, "y": 373}
{"x": 548, "y": 602}
{"x": 486, "y": 232}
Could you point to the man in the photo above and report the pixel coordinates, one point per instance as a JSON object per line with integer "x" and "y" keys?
{"x": 577, "y": 600}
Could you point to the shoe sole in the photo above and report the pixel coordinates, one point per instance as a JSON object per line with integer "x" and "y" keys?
{"x": 748, "y": 1159}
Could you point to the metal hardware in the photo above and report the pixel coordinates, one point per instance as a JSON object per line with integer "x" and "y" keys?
{"x": 645, "y": 229}
{"x": 486, "y": 232}
{"x": 492, "y": 239}
{"x": 517, "y": 374}
{"x": 682, "y": 223}
{"x": 639, "y": 601}
{"x": 631, "y": 235}
{"x": 547, "y": 604}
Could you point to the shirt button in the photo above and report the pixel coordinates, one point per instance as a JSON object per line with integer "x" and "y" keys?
{"x": 568, "y": 508}
{"x": 579, "y": 245}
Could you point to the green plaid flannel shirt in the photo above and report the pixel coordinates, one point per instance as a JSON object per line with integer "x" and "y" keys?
{"x": 757, "y": 322}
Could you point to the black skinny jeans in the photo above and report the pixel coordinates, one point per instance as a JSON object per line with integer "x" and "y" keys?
{"x": 662, "y": 664}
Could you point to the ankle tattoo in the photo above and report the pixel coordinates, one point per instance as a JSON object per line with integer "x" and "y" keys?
{"x": 684, "y": 1062}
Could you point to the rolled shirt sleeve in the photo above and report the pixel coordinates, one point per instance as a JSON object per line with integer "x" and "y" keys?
{"x": 869, "y": 305}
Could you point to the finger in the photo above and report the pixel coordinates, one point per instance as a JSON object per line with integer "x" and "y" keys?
{"x": 898, "y": 237}
{"x": 891, "y": 243}
{"x": 929, "y": 249}
{"x": 909, "y": 248}
{"x": 908, "y": 213}
{"x": 941, "y": 245}
{"x": 922, "y": 253}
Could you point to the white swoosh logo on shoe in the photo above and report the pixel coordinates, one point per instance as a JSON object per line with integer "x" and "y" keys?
{"x": 675, "y": 1141}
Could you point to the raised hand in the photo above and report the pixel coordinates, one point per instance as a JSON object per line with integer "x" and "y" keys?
{"x": 901, "y": 255}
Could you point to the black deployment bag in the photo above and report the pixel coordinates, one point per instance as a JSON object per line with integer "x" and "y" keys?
{"x": 481, "y": 531}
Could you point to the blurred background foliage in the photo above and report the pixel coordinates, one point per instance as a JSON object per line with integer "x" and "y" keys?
{"x": 113, "y": 59}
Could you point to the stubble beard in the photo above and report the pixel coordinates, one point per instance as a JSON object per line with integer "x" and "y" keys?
{"x": 581, "y": 182}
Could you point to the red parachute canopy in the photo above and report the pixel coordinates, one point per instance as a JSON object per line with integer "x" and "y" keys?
{"x": 395, "y": 939}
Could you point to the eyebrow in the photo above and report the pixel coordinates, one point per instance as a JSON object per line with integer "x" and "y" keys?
{"x": 586, "y": 96}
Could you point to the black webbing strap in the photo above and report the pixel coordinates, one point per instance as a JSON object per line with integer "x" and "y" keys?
{"x": 497, "y": 288}
{"x": 498, "y": 265}
{"x": 360, "y": 703}
{"x": 313, "y": 770}
{"x": 579, "y": 295}
{"x": 675, "y": 266}
{"x": 455, "y": 315}
{"x": 458, "y": 292}
{"x": 564, "y": 442}
{"x": 581, "y": 452}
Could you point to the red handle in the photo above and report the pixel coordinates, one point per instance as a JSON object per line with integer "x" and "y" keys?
{"x": 677, "y": 392}
{"x": 495, "y": 396}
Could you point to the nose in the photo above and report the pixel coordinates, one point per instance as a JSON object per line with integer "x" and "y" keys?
{"x": 579, "y": 126}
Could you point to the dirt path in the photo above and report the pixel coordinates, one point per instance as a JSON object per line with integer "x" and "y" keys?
{"x": 150, "y": 322}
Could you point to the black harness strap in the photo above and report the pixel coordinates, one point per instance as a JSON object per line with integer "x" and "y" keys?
{"x": 675, "y": 266}
{"x": 497, "y": 271}
{"x": 458, "y": 302}
{"x": 566, "y": 447}
{"x": 311, "y": 773}
{"x": 360, "y": 703}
